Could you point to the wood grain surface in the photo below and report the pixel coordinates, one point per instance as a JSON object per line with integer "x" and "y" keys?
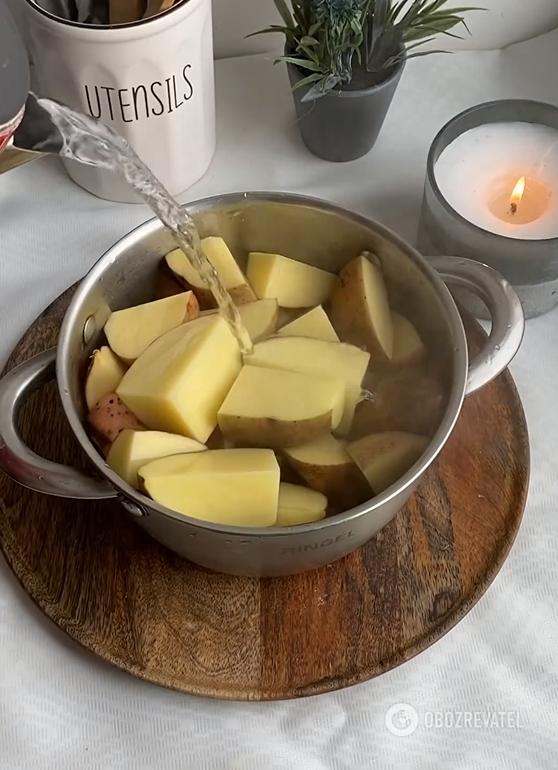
{"x": 118, "y": 593}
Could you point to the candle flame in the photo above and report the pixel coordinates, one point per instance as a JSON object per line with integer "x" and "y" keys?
{"x": 518, "y": 192}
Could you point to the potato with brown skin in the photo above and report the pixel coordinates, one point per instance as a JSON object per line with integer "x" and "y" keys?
{"x": 238, "y": 487}
{"x": 408, "y": 347}
{"x": 403, "y": 399}
{"x": 292, "y": 283}
{"x": 299, "y": 505}
{"x": 110, "y": 417}
{"x": 314, "y": 323}
{"x": 271, "y": 408}
{"x": 132, "y": 330}
{"x": 103, "y": 376}
{"x": 326, "y": 466}
{"x": 359, "y": 308}
{"x": 232, "y": 277}
{"x": 259, "y": 318}
{"x": 318, "y": 358}
{"x": 385, "y": 457}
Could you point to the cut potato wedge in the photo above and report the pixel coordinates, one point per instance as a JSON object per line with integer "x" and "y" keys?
{"x": 129, "y": 332}
{"x": 405, "y": 399}
{"x": 360, "y": 310}
{"x": 408, "y": 348}
{"x": 291, "y": 283}
{"x": 182, "y": 333}
{"x": 133, "y": 449}
{"x": 385, "y": 457}
{"x": 274, "y": 408}
{"x": 180, "y": 382}
{"x": 326, "y": 466}
{"x": 299, "y": 505}
{"x": 104, "y": 375}
{"x": 232, "y": 277}
{"x": 313, "y": 324}
{"x": 238, "y": 487}
{"x": 259, "y": 318}
{"x": 319, "y": 358}
{"x": 109, "y": 417}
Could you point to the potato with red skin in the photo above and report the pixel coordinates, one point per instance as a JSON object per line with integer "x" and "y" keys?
{"x": 110, "y": 417}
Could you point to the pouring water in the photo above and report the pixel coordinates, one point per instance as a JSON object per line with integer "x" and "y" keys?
{"x": 51, "y": 127}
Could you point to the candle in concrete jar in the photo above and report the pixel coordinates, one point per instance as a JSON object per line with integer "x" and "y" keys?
{"x": 503, "y": 178}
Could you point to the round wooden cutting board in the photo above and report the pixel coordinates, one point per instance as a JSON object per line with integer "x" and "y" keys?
{"x": 138, "y": 606}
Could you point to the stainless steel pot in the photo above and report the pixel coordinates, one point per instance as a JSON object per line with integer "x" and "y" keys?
{"x": 311, "y": 231}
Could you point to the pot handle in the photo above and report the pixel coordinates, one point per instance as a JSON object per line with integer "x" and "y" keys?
{"x": 504, "y": 306}
{"x": 17, "y": 460}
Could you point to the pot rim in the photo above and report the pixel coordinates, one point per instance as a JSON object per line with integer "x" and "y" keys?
{"x": 152, "y": 226}
{"x": 357, "y": 92}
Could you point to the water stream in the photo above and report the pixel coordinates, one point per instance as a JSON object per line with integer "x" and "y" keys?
{"x": 88, "y": 141}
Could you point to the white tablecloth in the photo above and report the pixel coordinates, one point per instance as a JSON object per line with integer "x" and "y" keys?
{"x": 62, "y": 709}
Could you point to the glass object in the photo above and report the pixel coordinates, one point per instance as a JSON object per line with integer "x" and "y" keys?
{"x": 501, "y": 176}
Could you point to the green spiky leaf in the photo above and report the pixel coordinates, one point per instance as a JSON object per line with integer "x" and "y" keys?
{"x": 335, "y": 38}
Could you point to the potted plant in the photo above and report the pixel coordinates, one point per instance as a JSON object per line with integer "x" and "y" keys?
{"x": 345, "y": 59}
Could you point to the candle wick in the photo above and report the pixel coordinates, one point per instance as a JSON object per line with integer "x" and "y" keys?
{"x": 513, "y": 209}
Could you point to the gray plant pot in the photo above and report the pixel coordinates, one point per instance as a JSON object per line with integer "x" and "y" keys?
{"x": 343, "y": 125}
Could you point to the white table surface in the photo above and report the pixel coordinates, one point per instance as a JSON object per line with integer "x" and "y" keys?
{"x": 62, "y": 709}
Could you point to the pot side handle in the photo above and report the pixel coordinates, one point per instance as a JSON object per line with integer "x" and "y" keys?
{"x": 17, "y": 460}
{"x": 504, "y": 306}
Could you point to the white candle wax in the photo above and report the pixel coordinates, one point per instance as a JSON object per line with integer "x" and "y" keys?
{"x": 478, "y": 173}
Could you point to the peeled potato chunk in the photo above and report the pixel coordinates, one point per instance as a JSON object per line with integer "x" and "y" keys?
{"x": 133, "y": 449}
{"x": 109, "y": 417}
{"x": 385, "y": 457}
{"x": 273, "y": 408}
{"x": 129, "y": 332}
{"x": 180, "y": 382}
{"x": 313, "y": 324}
{"x": 299, "y": 505}
{"x": 237, "y": 487}
{"x": 320, "y": 358}
{"x": 292, "y": 283}
{"x": 232, "y": 277}
{"x": 408, "y": 348}
{"x": 260, "y": 318}
{"x": 359, "y": 308}
{"x": 104, "y": 375}
{"x": 406, "y": 399}
{"x": 326, "y": 466}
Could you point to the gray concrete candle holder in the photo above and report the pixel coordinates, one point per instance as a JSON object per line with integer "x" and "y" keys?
{"x": 531, "y": 266}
